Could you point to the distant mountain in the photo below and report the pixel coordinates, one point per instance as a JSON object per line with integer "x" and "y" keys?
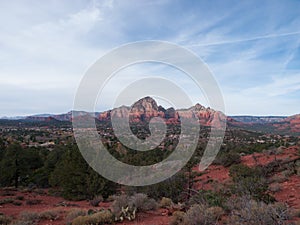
{"x": 278, "y": 125}
{"x": 41, "y": 119}
{"x": 43, "y": 115}
{"x": 13, "y": 118}
{"x": 290, "y": 124}
{"x": 259, "y": 119}
{"x": 146, "y": 108}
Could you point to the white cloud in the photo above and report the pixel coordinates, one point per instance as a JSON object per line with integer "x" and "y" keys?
{"x": 46, "y": 47}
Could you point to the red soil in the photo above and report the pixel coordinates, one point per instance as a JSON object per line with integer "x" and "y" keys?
{"x": 290, "y": 192}
{"x": 264, "y": 159}
{"x": 213, "y": 174}
{"x": 149, "y": 218}
{"x": 290, "y": 189}
{"x": 51, "y": 203}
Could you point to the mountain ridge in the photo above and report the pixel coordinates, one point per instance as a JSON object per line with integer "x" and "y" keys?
{"x": 146, "y": 108}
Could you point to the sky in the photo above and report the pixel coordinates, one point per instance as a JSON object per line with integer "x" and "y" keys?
{"x": 252, "y": 49}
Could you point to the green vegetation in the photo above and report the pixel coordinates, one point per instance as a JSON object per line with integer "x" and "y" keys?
{"x": 125, "y": 206}
{"x": 165, "y": 202}
{"x": 209, "y": 198}
{"x": 76, "y": 180}
{"x": 250, "y": 181}
{"x": 100, "y": 218}
{"x": 18, "y": 164}
{"x": 30, "y": 218}
{"x": 202, "y": 215}
{"x": 248, "y": 211}
{"x": 5, "y": 220}
{"x": 26, "y": 163}
{"x": 227, "y": 159}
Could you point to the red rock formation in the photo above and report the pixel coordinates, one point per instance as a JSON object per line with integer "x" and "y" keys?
{"x": 146, "y": 108}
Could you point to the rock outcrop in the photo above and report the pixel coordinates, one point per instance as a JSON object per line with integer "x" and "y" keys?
{"x": 147, "y": 108}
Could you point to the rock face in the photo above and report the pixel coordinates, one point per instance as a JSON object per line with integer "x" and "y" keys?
{"x": 291, "y": 124}
{"x": 146, "y": 108}
{"x": 278, "y": 125}
{"x": 294, "y": 123}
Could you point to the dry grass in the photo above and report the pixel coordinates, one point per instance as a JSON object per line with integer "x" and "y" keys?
{"x": 73, "y": 214}
{"x": 165, "y": 202}
{"x": 177, "y": 218}
{"x": 202, "y": 215}
{"x": 275, "y": 187}
{"x": 32, "y": 218}
{"x": 5, "y": 220}
{"x": 49, "y": 215}
{"x": 6, "y": 201}
{"x": 96, "y": 201}
{"x": 102, "y": 217}
{"x": 246, "y": 211}
{"x": 142, "y": 202}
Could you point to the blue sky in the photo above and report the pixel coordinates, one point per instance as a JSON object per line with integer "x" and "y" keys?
{"x": 252, "y": 48}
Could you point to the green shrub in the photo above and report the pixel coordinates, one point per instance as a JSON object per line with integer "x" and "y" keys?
{"x": 241, "y": 171}
{"x": 165, "y": 202}
{"x": 287, "y": 173}
{"x": 17, "y": 203}
{"x": 125, "y": 206}
{"x": 20, "y": 198}
{"x": 215, "y": 212}
{"x": 96, "y": 201}
{"x": 250, "y": 181}
{"x": 177, "y": 218}
{"x": 22, "y": 222}
{"x": 202, "y": 215}
{"x": 274, "y": 187}
{"x": 228, "y": 159}
{"x": 49, "y": 215}
{"x": 249, "y": 212}
{"x": 34, "y": 217}
{"x": 33, "y": 201}
{"x": 5, "y": 220}
{"x": 102, "y": 217}
{"x": 6, "y": 201}
{"x": 208, "y": 197}
{"x": 172, "y": 188}
{"x": 7, "y": 192}
{"x": 297, "y": 213}
{"x": 278, "y": 178}
{"x": 119, "y": 202}
{"x": 74, "y": 213}
{"x": 80, "y": 220}
{"x": 29, "y": 216}
{"x": 39, "y": 191}
{"x": 142, "y": 202}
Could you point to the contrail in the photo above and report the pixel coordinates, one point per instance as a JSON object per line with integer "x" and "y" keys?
{"x": 246, "y": 39}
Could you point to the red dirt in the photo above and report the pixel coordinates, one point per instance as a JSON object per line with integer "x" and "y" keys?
{"x": 51, "y": 202}
{"x": 264, "y": 159}
{"x": 290, "y": 189}
{"x": 149, "y": 218}
{"x": 213, "y": 174}
{"x": 290, "y": 192}
{"x": 48, "y": 203}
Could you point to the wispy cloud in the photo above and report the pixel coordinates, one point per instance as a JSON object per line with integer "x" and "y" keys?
{"x": 251, "y": 47}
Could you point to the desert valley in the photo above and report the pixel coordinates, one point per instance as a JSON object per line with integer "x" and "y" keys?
{"x": 254, "y": 178}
